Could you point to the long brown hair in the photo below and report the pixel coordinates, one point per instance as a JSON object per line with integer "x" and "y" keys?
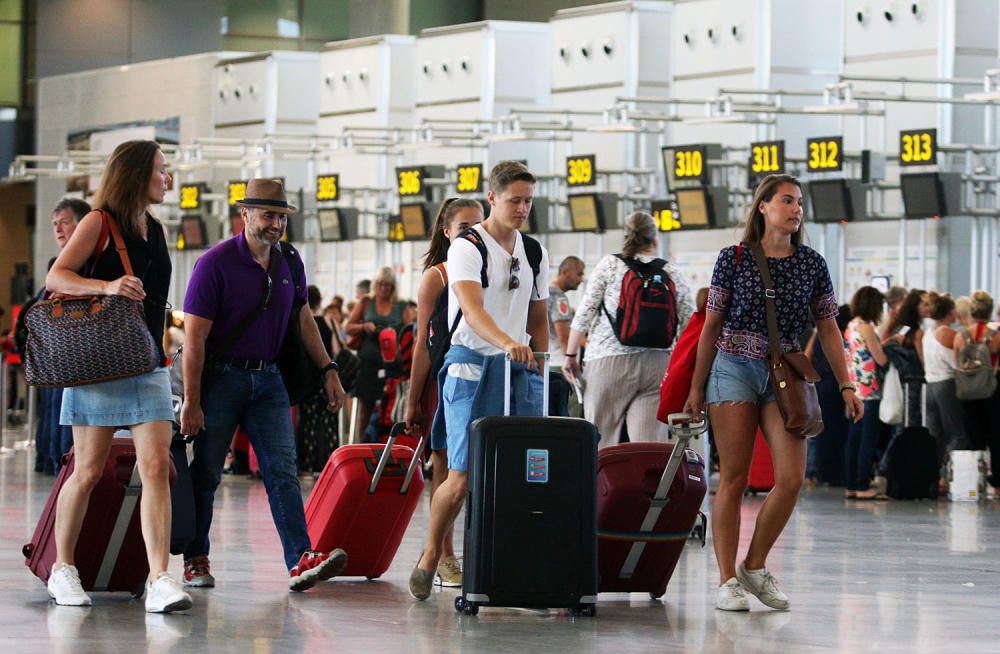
{"x": 125, "y": 184}
{"x": 438, "y": 250}
{"x": 754, "y": 231}
{"x": 640, "y": 233}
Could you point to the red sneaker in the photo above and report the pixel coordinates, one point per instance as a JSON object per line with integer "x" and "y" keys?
{"x": 196, "y": 573}
{"x": 315, "y": 567}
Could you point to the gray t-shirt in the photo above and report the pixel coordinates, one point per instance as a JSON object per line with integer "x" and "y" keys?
{"x": 559, "y": 309}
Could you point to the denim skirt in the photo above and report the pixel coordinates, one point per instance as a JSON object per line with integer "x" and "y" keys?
{"x": 120, "y": 402}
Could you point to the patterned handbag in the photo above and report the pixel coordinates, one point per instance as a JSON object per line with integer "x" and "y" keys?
{"x": 73, "y": 341}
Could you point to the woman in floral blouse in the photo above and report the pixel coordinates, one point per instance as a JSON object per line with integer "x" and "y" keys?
{"x": 731, "y": 374}
{"x": 864, "y": 358}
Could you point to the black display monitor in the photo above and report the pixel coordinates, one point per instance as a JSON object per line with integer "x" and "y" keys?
{"x": 331, "y": 225}
{"x": 831, "y": 201}
{"x": 923, "y": 195}
{"x": 585, "y": 213}
{"x": 415, "y": 222}
{"x": 695, "y": 208}
{"x": 195, "y": 236}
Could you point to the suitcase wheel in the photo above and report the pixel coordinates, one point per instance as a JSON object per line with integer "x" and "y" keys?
{"x": 585, "y": 610}
{"x": 655, "y": 597}
{"x": 373, "y": 578}
{"x": 468, "y": 608}
{"x": 27, "y": 550}
{"x": 139, "y": 591}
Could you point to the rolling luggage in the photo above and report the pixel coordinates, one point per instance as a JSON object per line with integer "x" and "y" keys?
{"x": 911, "y": 461}
{"x": 649, "y": 499}
{"x": 110, "y": 554}
{"x": 182, "y": 527}
{"x": 761, "y": 479}
{"x": 363, "y": 503}
{"x": 531, "y": 515}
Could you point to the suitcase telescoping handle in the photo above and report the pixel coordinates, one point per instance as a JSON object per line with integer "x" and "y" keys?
{"x": 683, "y": 427}
{"x": 543, "y": 357}
{"x": 383, "y": 460}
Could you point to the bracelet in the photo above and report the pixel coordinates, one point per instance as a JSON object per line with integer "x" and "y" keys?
{"x": 848, "y": 386}
{"x": 330, "y": 366}
{"x": 572, "y": 356}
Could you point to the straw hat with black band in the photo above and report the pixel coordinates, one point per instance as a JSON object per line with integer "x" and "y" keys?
{"x": 267, "y": 194}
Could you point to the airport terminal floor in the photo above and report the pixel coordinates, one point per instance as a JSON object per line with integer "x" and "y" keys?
{"x": 862, "y": 577}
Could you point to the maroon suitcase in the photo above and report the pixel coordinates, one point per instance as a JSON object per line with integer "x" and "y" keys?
{"x": 649, "y": 497}
{"x": 110, "y": 554}
{"x": 761, "y": 477}
{"x": 363, "y": 503}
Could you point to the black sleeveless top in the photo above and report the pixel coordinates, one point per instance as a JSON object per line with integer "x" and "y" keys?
{"x": 150, "y": 263}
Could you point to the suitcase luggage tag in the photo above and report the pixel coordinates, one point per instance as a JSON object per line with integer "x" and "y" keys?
{"x": 383, "y": 460}
{"x": 683, "y": 427}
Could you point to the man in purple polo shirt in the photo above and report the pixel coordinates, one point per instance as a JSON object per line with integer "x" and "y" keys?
{"x": 231, "y": 378}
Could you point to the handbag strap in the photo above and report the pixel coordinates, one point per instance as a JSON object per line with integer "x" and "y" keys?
{"x": 252, "y": 317}
{"x": 774, "y": 342}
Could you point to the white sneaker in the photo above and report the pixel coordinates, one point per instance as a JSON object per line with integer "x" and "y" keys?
{"x": 731, "y": 597}
{"x": 762, "y": 585}
{"x": 65, "y": 588}
{"x": 165, "y": 595}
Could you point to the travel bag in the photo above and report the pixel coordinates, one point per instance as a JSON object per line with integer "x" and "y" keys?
{"x": 531, "y": 514}
{"x": 363, "y": 503}
{"x": 649, "y": 497}
{"x": 911, "y": 462}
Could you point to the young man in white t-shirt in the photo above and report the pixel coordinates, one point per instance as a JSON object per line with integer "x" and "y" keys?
{"x": 504, "y": 317}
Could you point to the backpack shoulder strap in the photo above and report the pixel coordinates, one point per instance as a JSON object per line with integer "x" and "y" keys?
{"x": 472, "y": 236}
{"x": 533, "y": 251}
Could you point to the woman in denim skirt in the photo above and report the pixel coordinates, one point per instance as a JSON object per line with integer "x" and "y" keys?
{"x": 135, "y": 177}
{"x": 731, "y": 375}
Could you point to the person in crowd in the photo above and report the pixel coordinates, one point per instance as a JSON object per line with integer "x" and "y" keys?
{"x": 825, "y": 452}
{"x": 454, "y": 215}
{"x": 963, "y": 311}
{"x": 371, "y": 315}
{"x": 134, "y": 178}
{"x": 316, "y": 434}
{"x": 362, "y": 290}
{"x": 944, "y": 412}
{"x": 498, "y": 318}
{"x": 732, "y": 367}
{"x": 981, "y": 425}
{"x": 410, "y": 313}
{"x": 560, "y": 317}
{"x": 907, "y": 329}
{"x": 622, "y": 381}
{"x": 243, "y": 387}
{"x": 866, "y": 359}
{"x": 893, "y": 301}
{"x": 53, "y": 440}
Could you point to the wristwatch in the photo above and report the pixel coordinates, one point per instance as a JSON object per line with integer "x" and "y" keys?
{"x": 330, "y": 366}
{"x": 848, "y": 386}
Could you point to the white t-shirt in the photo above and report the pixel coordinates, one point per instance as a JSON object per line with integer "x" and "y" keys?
{"x": 508, "y": 308}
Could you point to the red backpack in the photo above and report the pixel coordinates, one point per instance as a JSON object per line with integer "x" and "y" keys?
{"x": 647, "y": 307}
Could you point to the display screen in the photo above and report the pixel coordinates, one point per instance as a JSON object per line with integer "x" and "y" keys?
{"x": 236, "y": 191}
{"x": 922, "y": 195}
{"x": 470, "y": 178}
{"x": 918, "y": 147}
{"x": 693, "y": 206}
{"x": 581, "y": 170}
{"x": 685, "y": 165}
{"x": 330, "y": 226}
{"x": 825, "y": 154}
{"x": 664, "y": 212}
{"x": 410, "y": 181}
{"x": 327, "y": 188}
{"x": 584, "y": 213}
{"x": 191, "y": 196}
{"x": 193, "y": 233}
{"x": 414, "y": 218}
{"x": 830, "y": 201}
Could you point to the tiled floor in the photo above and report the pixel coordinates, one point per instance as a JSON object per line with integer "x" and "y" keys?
{"x": 885, "y": 577}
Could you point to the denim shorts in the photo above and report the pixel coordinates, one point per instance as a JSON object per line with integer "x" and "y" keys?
{"x": 458, "y": 395}
{"x": 119, "y": 402}
{"x": 735, "y": 378}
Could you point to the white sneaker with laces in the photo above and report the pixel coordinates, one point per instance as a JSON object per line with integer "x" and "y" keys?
{"x": 731, "y": 597}
{"x": 165, "y": 595}
{"x": 762, "y": 585}
{"x": 65, "y": 588}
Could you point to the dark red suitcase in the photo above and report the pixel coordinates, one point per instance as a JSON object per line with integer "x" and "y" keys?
{"x": 110, "y": 554}
{"x": 649, "y": 498}
{"x": 363, "y": 503}
{"x": 761, "y": 479}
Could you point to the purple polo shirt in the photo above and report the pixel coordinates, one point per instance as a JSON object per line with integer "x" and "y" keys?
{"x": 227, "y": 285}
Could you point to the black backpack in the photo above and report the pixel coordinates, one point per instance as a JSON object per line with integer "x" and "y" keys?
{"x": 439, "y": 332}
{"x": 647, "y": 306}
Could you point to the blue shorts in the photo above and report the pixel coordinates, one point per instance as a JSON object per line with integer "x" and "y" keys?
{"x": 458, "y": 395}
{"x": 735, "y": 378}
{"x": 120, "y": 402}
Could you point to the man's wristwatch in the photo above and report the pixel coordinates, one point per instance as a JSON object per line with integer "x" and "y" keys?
{"x": 330, "y": 366}
{"x": 848, "y": 386}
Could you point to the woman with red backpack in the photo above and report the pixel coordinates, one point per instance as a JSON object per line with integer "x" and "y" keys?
{"x": 626, "y": 353}
{"x": 455, "y": 215}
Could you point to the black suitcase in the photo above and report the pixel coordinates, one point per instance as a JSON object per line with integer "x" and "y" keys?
{"x": 531, "y": 516}
{"x": 911, "y": 463}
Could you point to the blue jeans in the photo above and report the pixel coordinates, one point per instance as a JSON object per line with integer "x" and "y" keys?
{"x": 257, "y": 401}
{"x": 862, "y": 439}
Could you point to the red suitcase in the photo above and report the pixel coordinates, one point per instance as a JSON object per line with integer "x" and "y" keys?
{"x": 110, "y": 554}
{"x": 649, "y": 497}
{"x": 761, "y": 479}
{"x": 363, "y": 503}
